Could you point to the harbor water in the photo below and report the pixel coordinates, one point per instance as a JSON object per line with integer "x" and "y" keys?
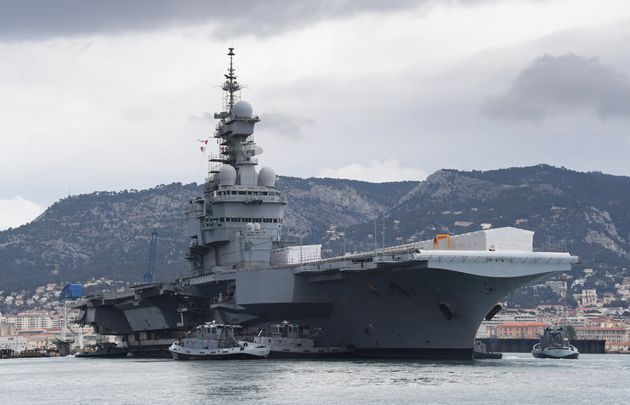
{"x": 517, "y": 378}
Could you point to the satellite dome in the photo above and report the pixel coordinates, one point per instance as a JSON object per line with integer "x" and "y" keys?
{"x": 267, "y": 177}
{"x": 227, "y": 175}
{"x": 242, "y": 109}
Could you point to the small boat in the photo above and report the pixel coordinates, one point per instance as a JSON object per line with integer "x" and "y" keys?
{"x": 554, "y": 345}
{"x": 216, "y": 341}
{"x": 287, "y": 340}
{"x": 480, "y": 352}
{"x": 106, "y": 350}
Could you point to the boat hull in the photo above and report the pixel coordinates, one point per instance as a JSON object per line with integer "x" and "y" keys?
{"x": 241, "y": 352}
{"x": 487, "y": 355}
{"x": 556, "y": 353}
{"x": 236, "y": 356}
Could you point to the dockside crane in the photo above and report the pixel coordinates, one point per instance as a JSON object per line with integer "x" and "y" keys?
{"x": 148, "y": 275}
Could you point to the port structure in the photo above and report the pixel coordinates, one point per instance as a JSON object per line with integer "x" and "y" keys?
{"x": 149, "y": 274}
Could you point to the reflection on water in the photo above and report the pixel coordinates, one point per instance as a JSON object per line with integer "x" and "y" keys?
{"x": 136, "y": 381}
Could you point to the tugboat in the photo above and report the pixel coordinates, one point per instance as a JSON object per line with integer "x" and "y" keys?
{"x": 216, "y": 341}
{"x": 554, "y": 345}
{"x": 480, "y": 351}
{"x": 288, "y": 340}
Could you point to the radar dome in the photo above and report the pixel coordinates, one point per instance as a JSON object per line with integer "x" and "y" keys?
{"x": 267, "y": 177}
{"x": 242, "y": 109}
{"x": 227, "y": 175}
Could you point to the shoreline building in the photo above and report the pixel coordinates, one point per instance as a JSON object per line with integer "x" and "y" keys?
{"x": 518, "y": 330}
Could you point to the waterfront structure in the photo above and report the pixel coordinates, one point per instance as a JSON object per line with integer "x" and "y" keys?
{"x": 487, "y": 327}
{"x": 423, "y": 299}
{"x": 612, "y": 335}
{"x": 518, "y": 330}
{"x": 15, "y": 343}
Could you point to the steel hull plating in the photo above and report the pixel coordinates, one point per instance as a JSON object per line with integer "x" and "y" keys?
{"x": 401, "y": 306}
{"x": 392, "y": 314}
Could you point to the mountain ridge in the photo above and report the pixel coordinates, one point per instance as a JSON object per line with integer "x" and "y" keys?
{"x": 107, "y": 233}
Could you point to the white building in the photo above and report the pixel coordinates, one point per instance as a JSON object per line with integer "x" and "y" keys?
{"x": 30, "y": 320}
{"x": 15, "y": 343}
{"x": 7, "y": 329}
{"x": 557, "y": 286}
{"x": 588, "y": 298}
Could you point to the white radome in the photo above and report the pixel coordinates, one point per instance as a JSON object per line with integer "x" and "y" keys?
{"x": 242, "y": 109}
{"x": 227, "y": 175}
{"x": 267, "y": 177}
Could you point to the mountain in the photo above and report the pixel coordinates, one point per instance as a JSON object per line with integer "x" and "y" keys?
{"x": 107, "y": 233}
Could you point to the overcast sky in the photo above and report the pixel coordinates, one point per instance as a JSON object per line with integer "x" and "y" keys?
{"x": 114, "y": 95}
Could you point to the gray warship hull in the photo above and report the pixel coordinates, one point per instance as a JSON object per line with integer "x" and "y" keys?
{"x": 412, "y": 305}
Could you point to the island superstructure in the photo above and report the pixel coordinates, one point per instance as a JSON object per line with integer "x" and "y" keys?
{"x": 419, "y": 300}
{"x": 239, "y": 218}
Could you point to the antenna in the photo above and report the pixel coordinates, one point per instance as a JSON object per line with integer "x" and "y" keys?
{"x": 231, "y": 85}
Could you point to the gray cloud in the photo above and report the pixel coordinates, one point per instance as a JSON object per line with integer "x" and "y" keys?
{"x": 563, "y": 84}
{"x": 285, "y": 125}
{"x": 38, "y": 19}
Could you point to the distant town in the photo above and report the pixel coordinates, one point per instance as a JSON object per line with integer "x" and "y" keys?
{"x": 599, "y": 312}
{"x": 35, "y": 321}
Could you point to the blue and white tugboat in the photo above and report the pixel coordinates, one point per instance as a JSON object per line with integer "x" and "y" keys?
{"x": 216, "y": 341}
{"x": 554, "y": 345}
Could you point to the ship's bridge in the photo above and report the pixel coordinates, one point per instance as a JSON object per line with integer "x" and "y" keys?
{"x": 245, "y": 194}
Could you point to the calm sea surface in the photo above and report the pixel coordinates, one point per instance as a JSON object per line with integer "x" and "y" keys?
{"x": 517, "y": 378}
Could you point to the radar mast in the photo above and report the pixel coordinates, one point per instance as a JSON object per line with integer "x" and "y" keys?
{"x": 231, "y": 85}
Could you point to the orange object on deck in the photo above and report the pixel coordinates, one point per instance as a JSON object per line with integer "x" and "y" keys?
{"x": 439, "y": 237}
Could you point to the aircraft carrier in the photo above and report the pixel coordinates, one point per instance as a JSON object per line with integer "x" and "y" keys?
{"x": 418, "y": 300}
